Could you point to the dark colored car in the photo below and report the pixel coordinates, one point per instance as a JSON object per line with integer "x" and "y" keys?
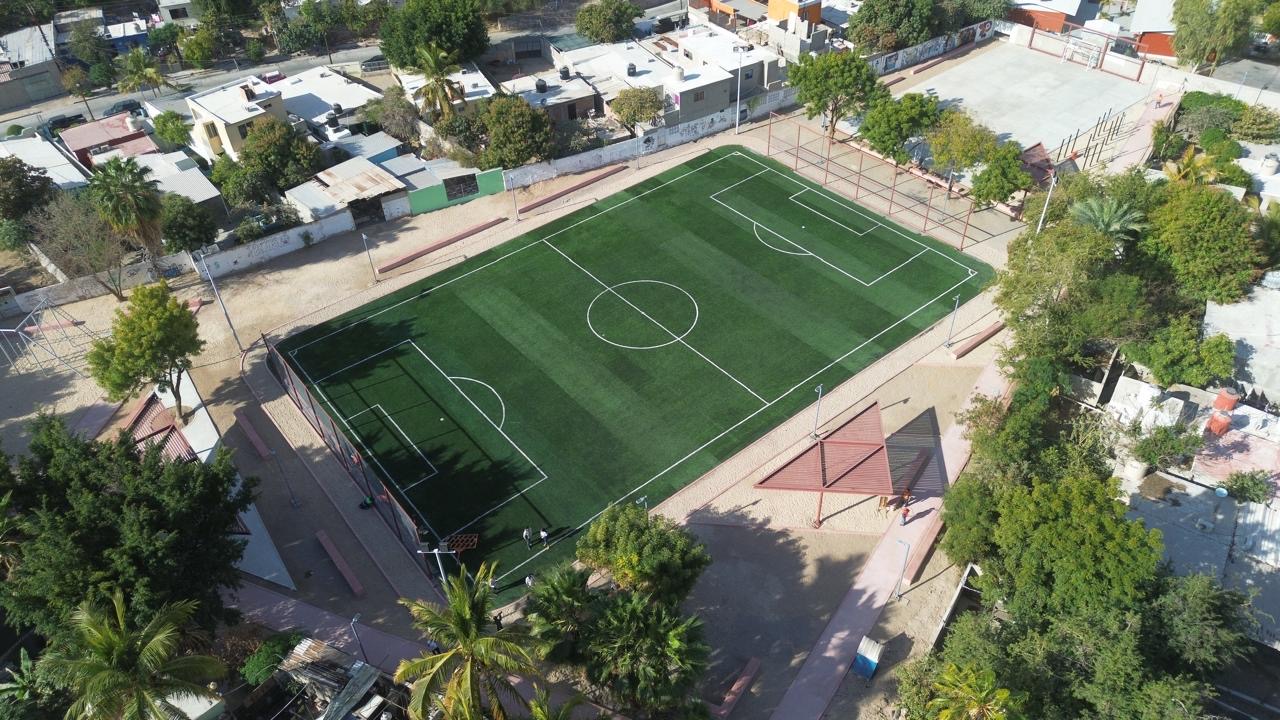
{"x": 124, "y": 106}
{"x": 62, "y": 122}
{"x": 375, "y": 63}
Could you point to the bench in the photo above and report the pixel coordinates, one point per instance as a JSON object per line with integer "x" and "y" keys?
{"x": 194, "y": 304}
{"x": 46, "y": 327}
{"x": 573, "y": 188}
{"x": 969, "y": 345}
{"x": 242, "y": 419}
{"x": 738, "y": 689}
{"x": 406, "y": 259}
{"x": 347, "y": 574}
{"x": 920, "y": 551}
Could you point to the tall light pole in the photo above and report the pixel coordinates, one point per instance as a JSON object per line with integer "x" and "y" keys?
{"x": 364, "y": 239}
{"x": 439, "y": 565}
{"x": 951, "y": 331}
{"x": 359, "y": 642}
{"x": 817, "y": 412}
{"x": 221, "y": 304}
{"x": 1052, "y": 184}
{"x": 737, "y": 108}
{"x": 906, "y": 555}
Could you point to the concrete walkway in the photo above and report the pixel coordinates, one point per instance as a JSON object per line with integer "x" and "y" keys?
{"x": 832, "y": 655}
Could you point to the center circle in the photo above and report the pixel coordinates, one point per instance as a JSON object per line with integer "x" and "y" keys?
{"x": 635, "y": 315}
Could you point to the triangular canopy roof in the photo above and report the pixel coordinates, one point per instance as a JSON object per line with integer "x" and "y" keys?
{"x": 850, "y": 459}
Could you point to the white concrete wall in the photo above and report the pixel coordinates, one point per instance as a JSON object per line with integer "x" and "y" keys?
{"x": 395, "y": 206}
{"x": 242, "y": 257}
{"x": 83, "y": 288}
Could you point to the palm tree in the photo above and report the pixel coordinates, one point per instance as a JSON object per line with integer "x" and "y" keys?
{"x": 138, "y": 70}
{"x": 967, "y": 694}
{"x": 128, "y": 201}
{"x": 118, "y": 671}
{"x": 560, "y": 606}
{"x": 469, "y": 678}
{"x": 1191, "y": 168}
{"x": 1117, "y": 220}
{"x": 438, "y": 92}
{"x": 540, "y": 708}
{"x": 23, "y": 685}
{"x": 10, "y": 534}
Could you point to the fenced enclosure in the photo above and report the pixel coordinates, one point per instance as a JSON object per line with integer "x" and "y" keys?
{"x": 906, "y": 195}
{"x": 1093, "y": 49}
{"x": 45, "y": 339}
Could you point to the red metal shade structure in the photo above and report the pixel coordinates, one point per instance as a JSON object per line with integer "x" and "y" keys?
{"x": 851, "y": 459}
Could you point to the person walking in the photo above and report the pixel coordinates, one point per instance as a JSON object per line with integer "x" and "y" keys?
{"x": 545, "y": 536}
{"x": 528, "y": 538}
{"x": 497, "y": 620}
{"x": 528, "y": 581}
{"x": 905, "y": 512}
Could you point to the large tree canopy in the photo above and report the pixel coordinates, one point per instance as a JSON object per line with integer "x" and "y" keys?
{"x": 517, "y": 133}
{"x": 835, "y": 86}
{"x": 455, "y": 26}
{"x": 98, "y": 516}
{"x": 1203, "y": 235}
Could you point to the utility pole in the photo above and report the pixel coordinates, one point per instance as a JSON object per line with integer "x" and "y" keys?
{"x": 817, "y": 412}
{"x": 906, "y": 555}
{"x": 954, "y": 311}
{"x": 364, "y": 239}
{"x": 439, "y": 565}
{"x": 209, "y": 276}
{"x": 359, "y": 642}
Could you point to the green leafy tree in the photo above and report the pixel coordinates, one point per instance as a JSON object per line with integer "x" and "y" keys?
{"x": 101, "y": 515}
{"x": 152, "y": 343}
{"x": 1166, "y": 445}
{"x": 116, "y": 669}
{"x": 163, "y": 38}
{"x": 885, "y": 25}
{"x": 129, "y": 201}
{"x": 607, "y": 21}
{"x": 1176, "y": 354}
{"x": 633, "y": 106}
{"x": 14, "y": 235}
{"x": 438, "y": 92}
{"x": 456, "y": 26}
{"x": 1257, "y": 124}
{"x": 1204, "y": 237}
{"x": 23, "y": 188}
{"x": 1065, "y": 546}
{"x": 172, "y": 128}
{"x": 1045, "y": 267}
{"x": 542, "y": 708}
{"x": 560, "y": 611}
{"x": 964, "y": 693}
{"x": 969, "y": 514}
{"x": 1250, "y": 485}
{"x": 299, "y": 36}
{"x": 278, "y": 155}
{"x": 254, "y": 50}
{"x": 518, "y": 133}
{"x": 76, "y": 82}
{"x": 835, "y": 86}
{"x": 1199, "y": 626}
{"x": 200, "y": 47}
{"x": 102, "y": 74}
{"x": 262, "y": 663}
{"x": 395, "y": 114}
{"x": 471, "y": 676}
{"x": 649, "y": 554}
{"x": 88, "y": 44}
{"x": 646, "y": 655}
{"x": 1001, "y": 175}
{"x": 1109, "y": 216}
{"x": 1271, "y": 20}
{"x": 1208, "y": 31}
{"x": 74, "y": 235}
{"x": 136, "y": 70}
{"x": 185, "y": 225}
{"x": 890, "y": 124}
{"x": 958, "y": 143}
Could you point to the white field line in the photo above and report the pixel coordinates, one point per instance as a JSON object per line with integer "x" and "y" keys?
{"x": 356, "y": 436}
{"x": 806, "y": 251}
{"x": 755, "y": 227}
{"x": 501, "y": 404}
{"x": 513, "y": 252}
{"x": 362, "y": 361}
{"x": 378, "y": 406}
{"x": 647, "y": 316}
{"x": 738, "y": 424}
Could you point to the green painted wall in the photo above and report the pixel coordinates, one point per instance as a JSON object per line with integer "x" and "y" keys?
{"x": 433, "y": 198}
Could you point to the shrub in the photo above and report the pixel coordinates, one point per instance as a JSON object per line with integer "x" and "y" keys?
{"x": 255, "y": 51}
{"x": 1232, "y": 174}
{"x": 1167, "y": 143}
{"x": 1212, "y": 136}
{"x": 1166, "y": 445}
{"x": 1199, "y": 120}
{"x": 1252, "y": 486}
{"x": 1196, "y": 99}
{"x": 264, "y": 661}
{"x": 14, "y": 235}
{"x": 102, "y": 74}
{"x": 14, "y": 130}
{"x": 249, "y": 229}
{"x": 1257, "y": 124}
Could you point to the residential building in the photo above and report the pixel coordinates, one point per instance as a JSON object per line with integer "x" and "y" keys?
{"x": 326, "y": 99}
{"x": 564, "y": 96}
{"x": 1253, "y": 324}
{"x": 1152, "y": 27}
{"x": 183, "y": 12}
{"x": 371, "y": 193}
{"x": 222, "y": 116}
{"x": 65, "y": 21}
{"x": 699, "y": 46}
{"x": 39, "y": 152}
{"x": 809, "y": 11}
{"x": 475, "y": 86}
{"x": 28, "y": 72}
{"x": 1044, "y": 14}
{"x": 795, "y": 28}
{"x": 128, "y": 35}
{"x": 337, "y": 685}
{"x": 175, "y": 172}
{"x": 377, "y": 148}
{"x": 120, "y": 135}
{"x": 435, "y": 184}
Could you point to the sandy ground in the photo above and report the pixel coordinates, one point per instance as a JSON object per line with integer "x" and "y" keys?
{"x": 20, "y": 272}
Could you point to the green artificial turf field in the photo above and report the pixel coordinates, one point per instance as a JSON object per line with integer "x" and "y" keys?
{"x": 618, "y": 353}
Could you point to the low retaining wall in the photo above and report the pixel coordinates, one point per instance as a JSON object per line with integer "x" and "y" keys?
{"x": 243, "y": 257}
{"x": 83, "y": 288}
{"x": 406, "y": 259}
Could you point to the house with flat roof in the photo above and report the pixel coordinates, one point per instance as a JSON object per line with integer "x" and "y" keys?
{"x": 28, "y": 73}
{"x": 120, "y": 135}
{"x": 65, "y": 21}
{"x": 222, "y": 116}
{"x": 563, "y": 95}
{"x": 128, "y": 35}
{"x": 183, "y": 12}
{"x": 371, "y": 193}
{"x": 475, "y": 86}
{"x": 699, "y": 46}
{"x": 375, "y": 148}
{"x": 435, "y": 184}
{"x": 1152, "y": 26}
{"x": 39, "y": 152}
{"x": 326, "y": 99}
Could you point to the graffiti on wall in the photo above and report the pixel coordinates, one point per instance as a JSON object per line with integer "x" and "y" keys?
{"x": 931, "y": 48}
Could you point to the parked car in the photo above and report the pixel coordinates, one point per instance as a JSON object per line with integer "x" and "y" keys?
{"x": 125, "y": 106}
{"x": 62, "y": 122}
{"x": 271, "y": 76}
{"x": 374, "y": 64}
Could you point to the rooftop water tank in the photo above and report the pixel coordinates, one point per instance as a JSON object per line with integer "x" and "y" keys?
{"x": 540, "y": 85}
{"x": 564, "y": 72}
{"x": 631, "y": 69}
{"x": 1269, "y": 165}
{"x": 1226, "y": 399}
